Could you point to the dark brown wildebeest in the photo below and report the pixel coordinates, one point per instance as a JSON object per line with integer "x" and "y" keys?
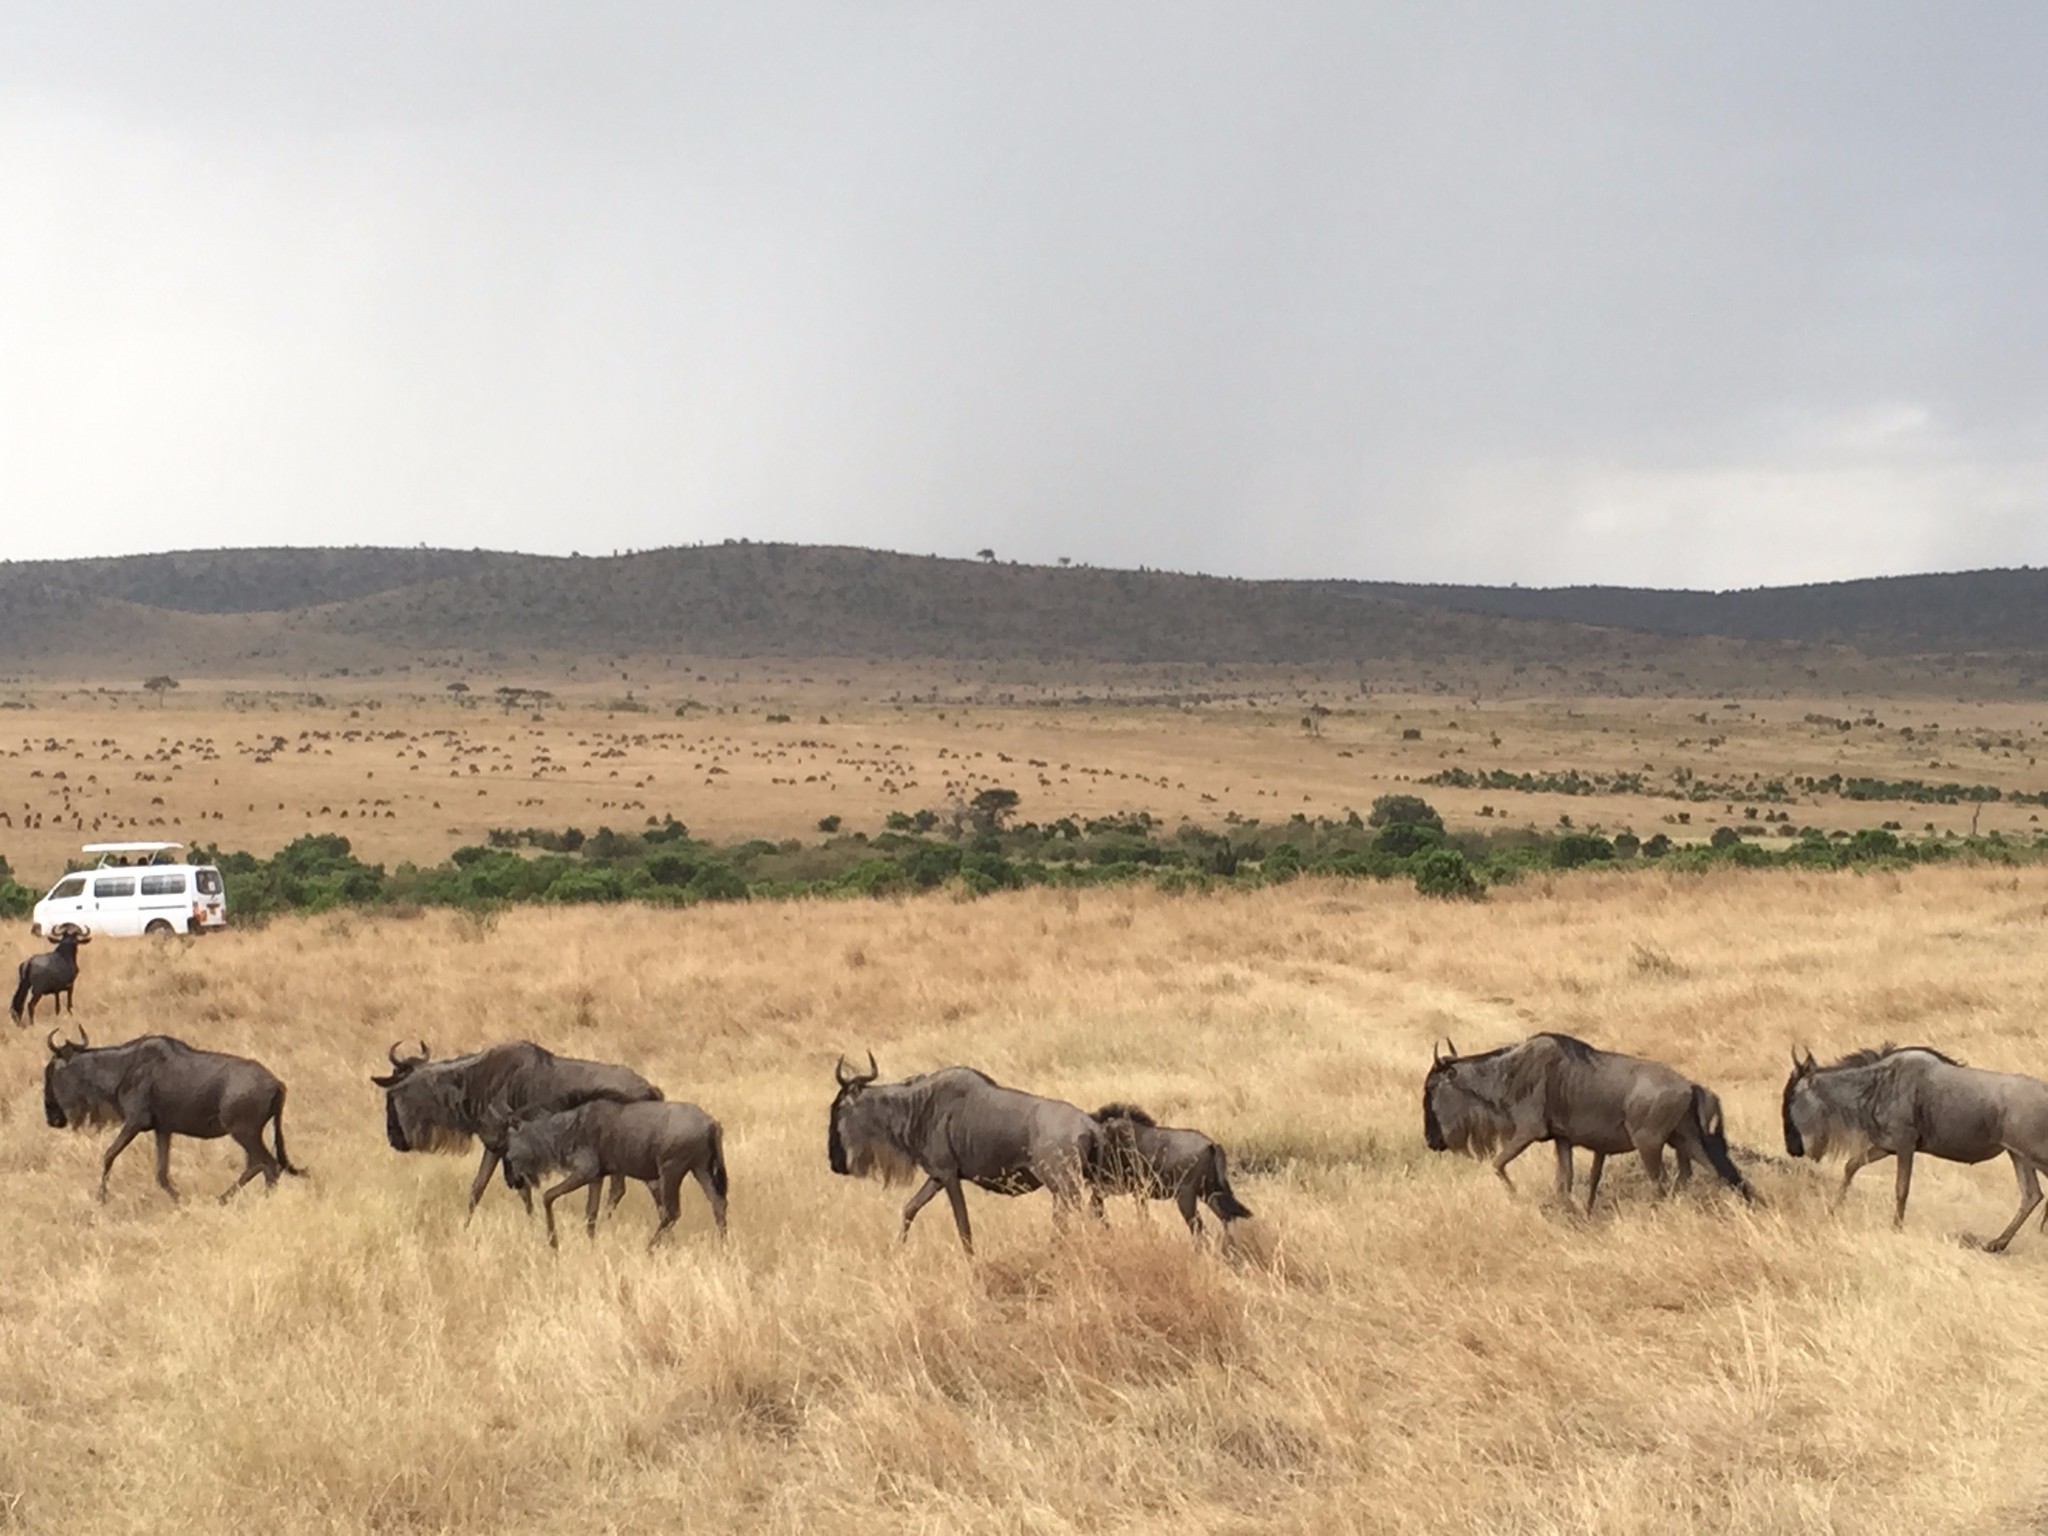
{"x": 1555, "y": 1088}
{"x": 1898, "y": 1100}
{"x": 437, "y": 1106}
{"x": 958, "y": 1126}
{"x": 50, "y": 975}
{"x": 163, "y": 1085}
{"x": 657, "y": 1142}
{"x": 1156, "y": 1162}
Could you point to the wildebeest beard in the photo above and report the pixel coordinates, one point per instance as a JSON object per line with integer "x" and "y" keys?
{"x": 1456, "y": 1118}
{"x": 428, "y": 1112}
{"x": 78, "y": 1092}
{"x": 868, "y": 1131}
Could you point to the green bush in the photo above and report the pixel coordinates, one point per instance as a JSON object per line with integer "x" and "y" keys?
{"x": 717, "y": 881}
{"x": 1443, "y": 873}
{"x": 1406, "y": 839}
{"x": 1403, "y": 810}
{"x": 1577, "y": 848}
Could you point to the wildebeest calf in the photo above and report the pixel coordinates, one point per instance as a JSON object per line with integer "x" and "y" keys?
{"x": 163, "y": 1085}
{"x": 656, "y": 1141}
{"x": 1157, "y": 1162}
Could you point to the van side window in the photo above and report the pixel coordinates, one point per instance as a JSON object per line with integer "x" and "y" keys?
{"x": 164, "y": 885}
{"x": 122, "y": 886}
{"x": 208, "y": 881}
{"x": 72, "y": 886}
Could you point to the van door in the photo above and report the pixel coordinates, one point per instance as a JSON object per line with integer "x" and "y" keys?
{"x": 68, "y": 902}
{"x": 163, "y": 897}
{"x": 114, "y": 910}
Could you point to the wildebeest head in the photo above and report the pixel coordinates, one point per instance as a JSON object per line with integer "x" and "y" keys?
{"x": 415, "y": 1111}
{"x": 1457, "y": 1114}
{"x": 70, "y": 933}
{"x": 528, "y": 1152}
{"x": 66, "y": 1096}
{"x": 859, "y": 1140}
{"x": 1806, "y": 1125}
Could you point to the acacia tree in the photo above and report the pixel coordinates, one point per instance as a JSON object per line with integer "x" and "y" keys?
{"x": 160, "y": 685}
{"x": 991, "y": 808}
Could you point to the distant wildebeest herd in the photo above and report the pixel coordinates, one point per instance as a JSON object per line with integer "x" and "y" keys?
{"x": 595, "y": 1122}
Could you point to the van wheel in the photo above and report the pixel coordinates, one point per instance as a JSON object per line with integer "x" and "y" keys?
{"x": 158, "y": 928}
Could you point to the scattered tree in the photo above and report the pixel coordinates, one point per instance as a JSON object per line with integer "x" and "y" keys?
{"x": 985, "y": 554}
{"x": 160, "y": 685}
{"x": 991, "y": 808}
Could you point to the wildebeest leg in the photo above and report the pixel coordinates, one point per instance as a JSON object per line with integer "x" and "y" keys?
{"x": 256, "y": 1159}
{"x": 1684, "y": 1157}
{"x": 669, "y": 1201}
{"x": 619, "y": 1191}
{"x": 1652, "y": 1154}
{"x": 916, "y": 1203}
{"x": 1190, "y": 1212}
{"x": 1593, "y": 1179}
{"x": 1564, "y": 1171}
{"x": 703, "y": 1176}
{"x": 163, "y": 1166}
{"x": 1520, "y": 1143}
{"x": 2030, "y": 1196}
{"x": 568, "y": 1186}
{"x": 128, "y": 1133}
{"x": 1902, "y": 1185}
{"x": 1854, "y": 1166}
{"x": 958, "y": 1199}
{"x": 482, "y": 1182}
{"x": 590, "y": 1209}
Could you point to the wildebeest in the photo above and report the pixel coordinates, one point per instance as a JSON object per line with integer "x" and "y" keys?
{"x": 958, "y": 1126}
{"x": 1552, "y": 1087}
{"x": 50, "y": 975}
{"x": 437, "y": 1106}
{"x": 1156, "y": 1162}
{"x": 653, "y": 1141}
{"x": 160, "y": 1084}
{"x": 1897, "y": 1100}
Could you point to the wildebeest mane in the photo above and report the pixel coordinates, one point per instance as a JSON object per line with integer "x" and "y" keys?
{"x": 1870, "y": 1056}
{"x": 1129, "y": 1112}
{"x": 1573, "y": 1047}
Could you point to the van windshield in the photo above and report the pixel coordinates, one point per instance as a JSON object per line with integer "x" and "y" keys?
{"x": 208, "y": 881}
{"x": 67, "y": 888}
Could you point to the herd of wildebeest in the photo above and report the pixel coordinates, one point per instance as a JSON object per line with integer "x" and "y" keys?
{"x": 596, "y": 1122}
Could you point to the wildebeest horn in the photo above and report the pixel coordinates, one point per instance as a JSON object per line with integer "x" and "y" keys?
{"x": 393, "y": 1054}
{"x": 849, "y": 1078}
{"x": 1436, "y": 1054}
{"x": 1451, "y": 1046}
{"x": 56, "y": 1048}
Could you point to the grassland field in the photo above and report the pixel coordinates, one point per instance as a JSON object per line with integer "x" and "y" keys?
{"x": 768, "y": 754}
{"x": 1394, "y": 1343}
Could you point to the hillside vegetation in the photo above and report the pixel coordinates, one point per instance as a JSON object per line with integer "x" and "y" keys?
{"x": 255, "y": 612}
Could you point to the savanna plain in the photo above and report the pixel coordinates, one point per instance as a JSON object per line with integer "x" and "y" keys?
{"x": 1394, "y": 1343}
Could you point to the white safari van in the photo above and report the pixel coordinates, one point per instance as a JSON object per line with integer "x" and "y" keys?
{"x": 135, "y": 888}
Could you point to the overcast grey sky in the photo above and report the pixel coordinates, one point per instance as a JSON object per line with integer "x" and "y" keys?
{"x": 1688, "y": 295}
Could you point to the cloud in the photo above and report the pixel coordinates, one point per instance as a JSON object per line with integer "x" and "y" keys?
{"x": 1432, "y": 292}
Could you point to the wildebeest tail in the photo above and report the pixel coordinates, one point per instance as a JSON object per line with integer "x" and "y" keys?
{"x": 1222, "y": 1199}
{"x": 1707, "y": 1109}
{"x": 20, "y": 993}
{"x": 718, "y": 1159}
{"x": 277, "y": 1136}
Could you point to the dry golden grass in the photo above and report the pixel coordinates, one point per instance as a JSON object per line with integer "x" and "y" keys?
{"x": 1397, "y": 1344}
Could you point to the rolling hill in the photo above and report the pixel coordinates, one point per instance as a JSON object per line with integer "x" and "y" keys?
{"x": 286, "y": 611}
